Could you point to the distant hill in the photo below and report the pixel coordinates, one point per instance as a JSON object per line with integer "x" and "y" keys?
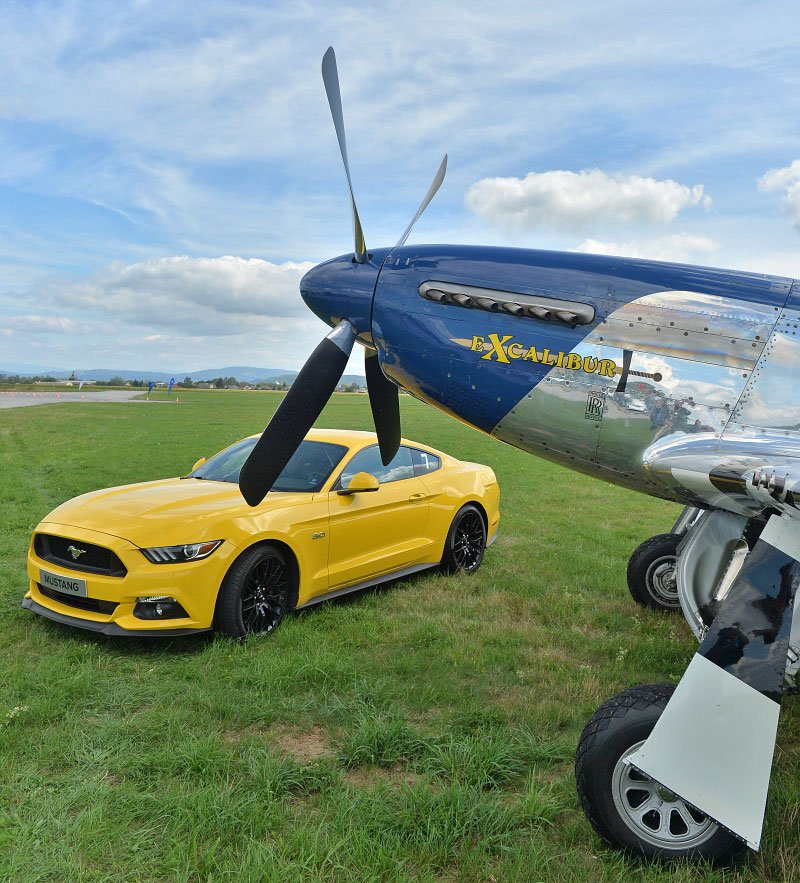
{"x": 242, "y": 373}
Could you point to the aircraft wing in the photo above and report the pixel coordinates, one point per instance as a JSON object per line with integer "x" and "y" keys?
{"x": 745, "y": 475}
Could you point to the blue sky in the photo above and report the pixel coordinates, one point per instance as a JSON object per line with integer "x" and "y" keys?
{"x": 169, "y": 170}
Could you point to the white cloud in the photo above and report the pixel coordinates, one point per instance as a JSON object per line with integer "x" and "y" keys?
{"x": 201, "y": 296}
{"x": 576, "y": 200}
{"x": 679, "y": 247}
{"x": 33, "y": 324}
{"x": 170, "y": 314}
{"x": 772, "y": 262}
{"x": 777, "y": 179}
{"x": 788, "y": 180}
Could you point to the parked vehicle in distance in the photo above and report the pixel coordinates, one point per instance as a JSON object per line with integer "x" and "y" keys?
{"x": 185, "y": 555}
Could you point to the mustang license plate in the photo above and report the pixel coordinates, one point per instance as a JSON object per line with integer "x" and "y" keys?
{"x": 65, "y": 585}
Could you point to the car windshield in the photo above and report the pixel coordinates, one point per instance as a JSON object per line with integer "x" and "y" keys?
{"x": 308, "y": 470}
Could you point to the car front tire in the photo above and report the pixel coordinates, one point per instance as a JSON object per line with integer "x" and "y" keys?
{"x": 255, "y": 594}
{"x": 465, "y": 543}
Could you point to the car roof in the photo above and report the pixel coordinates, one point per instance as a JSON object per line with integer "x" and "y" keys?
{"x": 354, "y": 438}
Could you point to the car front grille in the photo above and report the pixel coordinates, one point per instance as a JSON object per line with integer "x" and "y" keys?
{"x": 95, "y": 605}
{"x": 92, "y": 559}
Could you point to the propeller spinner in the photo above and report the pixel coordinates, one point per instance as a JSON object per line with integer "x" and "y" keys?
{"x": 343, "y": 287}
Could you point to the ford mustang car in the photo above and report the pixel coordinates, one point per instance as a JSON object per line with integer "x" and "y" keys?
{"x": 188, "y": 554}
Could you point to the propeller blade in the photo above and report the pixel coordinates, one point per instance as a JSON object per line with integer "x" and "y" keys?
{"x": 330, "y": 77}
{"x": 435, "y": 185}
{"x": 385, "y": 404}
{"x": 302, "y": 404}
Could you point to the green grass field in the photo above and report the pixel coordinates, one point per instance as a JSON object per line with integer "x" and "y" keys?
{"x": 423, "y": 731}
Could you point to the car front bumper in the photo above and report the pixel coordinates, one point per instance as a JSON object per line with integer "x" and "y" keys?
{"x": 194, "y": 585}
{"x": 106, "y": 628}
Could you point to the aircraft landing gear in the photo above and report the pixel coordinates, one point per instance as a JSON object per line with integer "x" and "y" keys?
{"x": 629, "y": 810}
{"x": 652, "y": 573}
{"x": 652, "y": 568}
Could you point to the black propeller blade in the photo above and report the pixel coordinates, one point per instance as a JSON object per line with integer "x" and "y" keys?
{"x": 384, "y": 400}
{"x": 302, "y": 404}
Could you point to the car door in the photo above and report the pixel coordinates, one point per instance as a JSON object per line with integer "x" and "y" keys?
{"x": 382, "y": 531}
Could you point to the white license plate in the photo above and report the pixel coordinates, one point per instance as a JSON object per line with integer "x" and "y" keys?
{"x": 67, "y": 585}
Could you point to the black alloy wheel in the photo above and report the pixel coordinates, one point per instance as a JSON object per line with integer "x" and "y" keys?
{"x": 255, "y": 593}
{"x": 465, "y": 543}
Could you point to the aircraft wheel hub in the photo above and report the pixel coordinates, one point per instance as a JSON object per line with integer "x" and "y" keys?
{"x": 654, "y": 813}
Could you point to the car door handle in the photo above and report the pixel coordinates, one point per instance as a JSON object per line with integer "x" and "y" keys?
{"x": 416, "y": 497}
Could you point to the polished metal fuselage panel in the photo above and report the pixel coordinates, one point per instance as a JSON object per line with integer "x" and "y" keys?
{"x": 770, "y": 404}
{"x": 683, "y": 360}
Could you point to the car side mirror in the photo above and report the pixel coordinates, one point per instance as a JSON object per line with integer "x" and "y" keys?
{"x": 360, "y": 483}
{"x": 198, "y": 464}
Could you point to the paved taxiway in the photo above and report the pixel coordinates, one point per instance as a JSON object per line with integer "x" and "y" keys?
{"x": 23, "y": 399}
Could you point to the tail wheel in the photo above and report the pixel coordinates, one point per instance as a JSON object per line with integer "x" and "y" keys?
{"x": 628, "y": 809}
{"x": 255, "y": 593}
{"x": 652, "y": 572}
{"x": 465, "y": 543}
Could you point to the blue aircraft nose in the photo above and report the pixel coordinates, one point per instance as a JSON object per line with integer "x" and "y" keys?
{"x": 343, "y": 289}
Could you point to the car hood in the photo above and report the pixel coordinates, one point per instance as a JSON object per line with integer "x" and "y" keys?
{"x": 184, "y": 510}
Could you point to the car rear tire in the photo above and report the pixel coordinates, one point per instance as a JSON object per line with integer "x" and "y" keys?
{"x": 465, "y": 543}
{"x": 255, "y": 593}
{"x": 652, "y": 572}
{"x": 628, "y": 809}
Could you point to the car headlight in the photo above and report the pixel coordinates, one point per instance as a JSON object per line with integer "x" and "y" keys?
{"x": 180, "y": 554}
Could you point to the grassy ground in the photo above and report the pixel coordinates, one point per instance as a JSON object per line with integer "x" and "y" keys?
{"x": 423, "y": 731}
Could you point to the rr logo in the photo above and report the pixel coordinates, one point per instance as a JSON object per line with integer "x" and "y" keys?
{"x": 594, "y": 406}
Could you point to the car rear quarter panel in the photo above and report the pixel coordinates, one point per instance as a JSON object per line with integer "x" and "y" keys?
{"x": 456, "y": 484}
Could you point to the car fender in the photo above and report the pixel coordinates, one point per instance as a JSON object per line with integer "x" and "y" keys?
{"x": 306, "y": 538}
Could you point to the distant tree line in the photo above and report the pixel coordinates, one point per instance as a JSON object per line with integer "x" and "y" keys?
{"x": 13, "y": 379}
{"x": 16, "y": 379}
{"x": 118, "y": 381}
{"x": 186, "y": 383}
{"x": 231, "y": 383}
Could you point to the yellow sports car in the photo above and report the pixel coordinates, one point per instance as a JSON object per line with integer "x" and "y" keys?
{"x": 188, "y": 554}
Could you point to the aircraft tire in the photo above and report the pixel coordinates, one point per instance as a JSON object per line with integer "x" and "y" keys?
{"x": 613, "y": 794}
{"x": 651, "y": 573}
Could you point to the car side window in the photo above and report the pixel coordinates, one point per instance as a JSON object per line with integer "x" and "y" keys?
{"x": 369, "y": 460}
{"x": 424, "y": 461}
